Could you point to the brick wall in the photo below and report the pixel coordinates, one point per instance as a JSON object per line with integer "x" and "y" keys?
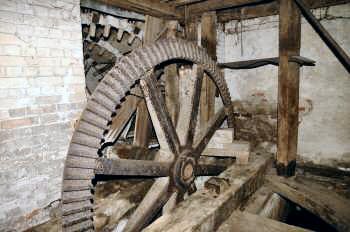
{"x": 41, "y": 95}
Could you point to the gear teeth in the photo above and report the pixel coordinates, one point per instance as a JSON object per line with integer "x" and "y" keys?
{"x": 76, "y": 207}
{"x": 80, "y": 162}
{"x": 106, "y": 31}
{"x": 92, "y": 30}
{"x": 80, "y": 227}
{"x": 78, "y": 174}
{"x": 75, "y": 196}
{"x": 76, "y": 218}
{"x": 111, "y": 90}
{"x": 99, "y": 109}
{"x": 85, "y": 139}
{"x": 95, "y": 119}
{"x": 131, "y": 38}
{"x": 120, "y": 34}
{"x": 160, "y": 47}
{"x": 100, "y": 97}
{"x": 81, "y": 150}
{"x": 76, "y": 185}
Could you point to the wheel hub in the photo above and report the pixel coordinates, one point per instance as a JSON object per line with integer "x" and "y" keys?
{"x": 184, "y": 169}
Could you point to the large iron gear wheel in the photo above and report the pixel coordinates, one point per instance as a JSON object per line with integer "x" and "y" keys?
{"x": 84, "y": 155}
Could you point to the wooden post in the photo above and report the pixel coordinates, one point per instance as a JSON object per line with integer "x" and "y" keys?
{"x": 153, "y": 28}
{"x": 288, "y": 88}
{"x": 171, "y": 79}
{"x": 208, "y": 41}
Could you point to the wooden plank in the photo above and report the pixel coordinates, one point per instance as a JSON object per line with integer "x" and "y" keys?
{"x": 214, "y": 5}
{"x": 129, "y": 167}
{"x": 111, "y": 10}
{"x": 208, "y": 41}
{"x": 268, "y": 9}
{"x": 238, "y": 149}
{"x": 153, "y": 29}
{"x": 249, "y": 64}
{"x": 147, "y": 7}
{"x": 268, "y": 204}
{"x": 343, "y": 58}
{"x": 206, "y": 208}
{"x": 288, "y": 88}
{"x": 172, "y": 79}
{"x": 247, "y": 222}
{"x": 316, "y": 198}
{"x": 128, "y": 108}
{"x": 165, "y": 130}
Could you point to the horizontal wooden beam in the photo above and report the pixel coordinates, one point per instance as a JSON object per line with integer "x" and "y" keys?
{"x": 247, "y": 222}
{"x": 249, "y": 64}
{"x": 268, "y": 9}
{"x": 221, "y": 196}
{"x": 316, "y": 198}
{"x": 215, "y": 5}
{"x": 147, "y": 7}
{"x": 112, "y": 10}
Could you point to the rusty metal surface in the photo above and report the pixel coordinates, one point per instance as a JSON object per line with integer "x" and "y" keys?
{"x": 84, "y": 150}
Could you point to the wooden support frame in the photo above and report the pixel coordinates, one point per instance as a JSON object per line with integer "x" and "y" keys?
{"x": 147, "y": 7}
{"x": 267, "y": 9}
{"x": 288, "y": 88}
{"x": 343, "y": 58}
{"x": 208, "y": 41}
{"x": 153, "y": 28}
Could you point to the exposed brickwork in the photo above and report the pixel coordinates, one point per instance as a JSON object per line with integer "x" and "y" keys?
{"x": 42, "y": 92}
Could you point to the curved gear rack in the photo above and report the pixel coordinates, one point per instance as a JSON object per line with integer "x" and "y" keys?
{"x": 176, "y": 165}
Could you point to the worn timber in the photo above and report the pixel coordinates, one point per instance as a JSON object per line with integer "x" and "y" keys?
{"x": 209, "y": 209}
{"x": 249, "y": 64}
{"x": 247, "y": 222}
{"x": 288, "y": 88}
{"x": 316, "y": 198}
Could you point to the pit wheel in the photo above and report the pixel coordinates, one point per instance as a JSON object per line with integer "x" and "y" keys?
{"x": 176, "y": 163}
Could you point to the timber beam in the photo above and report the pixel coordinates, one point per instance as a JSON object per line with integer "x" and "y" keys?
{"x": 343, "y": 58}
{"x": 268, "y": 9}
{"x": 249, "y": 64}
{"x": 316, "y": 198}
{"x": 288, "y": 88}
{"x": 214, "y": 204}
{"x": 148, "y": 7}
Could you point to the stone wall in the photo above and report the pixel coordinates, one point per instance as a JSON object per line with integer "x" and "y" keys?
{"x": 42, "y": 92}
{"x": 324, "y": 130}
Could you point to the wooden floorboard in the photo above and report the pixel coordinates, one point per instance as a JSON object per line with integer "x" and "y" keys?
{"x": 247, "y": 222}
{"x": 316, "y": 198}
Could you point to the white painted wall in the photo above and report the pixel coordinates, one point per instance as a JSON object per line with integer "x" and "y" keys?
{"x": 324, "y": 132}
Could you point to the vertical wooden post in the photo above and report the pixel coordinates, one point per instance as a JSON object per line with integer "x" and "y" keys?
{"x": 171, "y": 79}
{"x": 153, "y": 27}
{"x": 288, "y": 88}
{"x": 208, "y": 41}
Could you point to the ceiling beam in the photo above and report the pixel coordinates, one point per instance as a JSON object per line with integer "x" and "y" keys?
{"x": 215, "y": 5}
{"x": 268, "y": 9}
{"x": 147, "y": 7}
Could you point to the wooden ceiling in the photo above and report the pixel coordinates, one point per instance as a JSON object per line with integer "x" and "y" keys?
{"x": 184, "y": 10}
